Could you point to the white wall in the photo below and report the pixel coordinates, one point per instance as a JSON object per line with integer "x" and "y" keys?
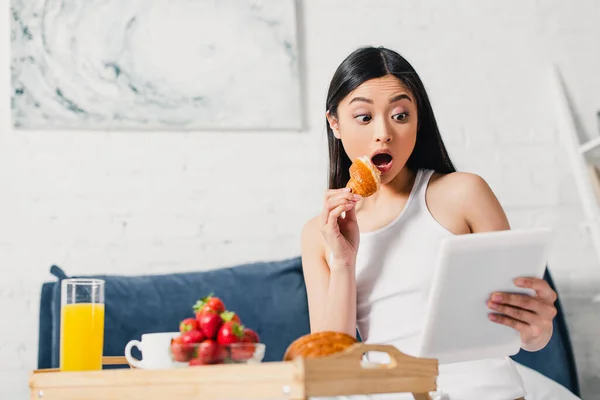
{"x": 147, "y": 202}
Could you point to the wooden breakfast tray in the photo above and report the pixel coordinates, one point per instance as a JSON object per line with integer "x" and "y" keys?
{"x": 335, "y": 375}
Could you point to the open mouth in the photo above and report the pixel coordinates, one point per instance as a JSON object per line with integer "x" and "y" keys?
{"x": 382, "y": 161}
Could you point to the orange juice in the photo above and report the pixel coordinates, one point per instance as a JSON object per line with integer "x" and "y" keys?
{"x": 82, "y": 336}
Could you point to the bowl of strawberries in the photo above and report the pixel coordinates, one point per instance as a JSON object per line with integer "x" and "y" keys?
{"x": 215, "y": 335}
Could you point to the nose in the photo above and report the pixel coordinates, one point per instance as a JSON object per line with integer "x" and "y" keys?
{"x": 383, "y": 133}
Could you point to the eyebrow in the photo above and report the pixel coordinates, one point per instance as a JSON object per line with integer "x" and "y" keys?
{"x": 392, "y": 100}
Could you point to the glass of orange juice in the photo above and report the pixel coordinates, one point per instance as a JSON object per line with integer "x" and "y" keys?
{"x": 81, "y": 324}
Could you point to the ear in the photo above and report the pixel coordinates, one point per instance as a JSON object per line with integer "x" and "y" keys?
{"x": 333, "y": 124}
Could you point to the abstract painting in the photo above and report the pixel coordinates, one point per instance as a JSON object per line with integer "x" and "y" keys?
{"x": 155, "y": 64}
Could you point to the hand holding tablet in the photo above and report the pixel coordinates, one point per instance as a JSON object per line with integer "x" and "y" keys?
{"x": 470, "y": 270}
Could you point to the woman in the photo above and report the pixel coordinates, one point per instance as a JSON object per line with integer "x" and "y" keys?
{"x": 368, "y": 262}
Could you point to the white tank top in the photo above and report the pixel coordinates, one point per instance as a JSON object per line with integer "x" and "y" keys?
{"x": 394, "y": 268}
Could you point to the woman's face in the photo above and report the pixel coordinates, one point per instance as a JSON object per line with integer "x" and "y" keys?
{"x": 378, "y": 120}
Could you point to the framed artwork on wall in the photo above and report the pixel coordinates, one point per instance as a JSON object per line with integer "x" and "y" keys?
{"x": 155, "y": 64}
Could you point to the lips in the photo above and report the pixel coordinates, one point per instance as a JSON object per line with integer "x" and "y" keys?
{"x": 382, "y": 160}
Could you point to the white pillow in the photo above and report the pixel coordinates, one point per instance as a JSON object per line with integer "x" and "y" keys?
{"x": 540, "y": 387}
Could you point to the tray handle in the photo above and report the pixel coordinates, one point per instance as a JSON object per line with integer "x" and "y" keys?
{"x": 401, "y": 365}
{"x": 356, "y": 352}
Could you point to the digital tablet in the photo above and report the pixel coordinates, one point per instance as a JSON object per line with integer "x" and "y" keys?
{"x": 469, "y": 269}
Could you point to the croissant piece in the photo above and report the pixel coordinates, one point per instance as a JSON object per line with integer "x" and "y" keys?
{"x": 318, "y": 344}
{"x": 364, "y": 177}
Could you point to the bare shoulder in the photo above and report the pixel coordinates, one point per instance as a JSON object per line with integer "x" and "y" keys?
{"x": 460, "y": 185}
{"x": 469, "y": 198}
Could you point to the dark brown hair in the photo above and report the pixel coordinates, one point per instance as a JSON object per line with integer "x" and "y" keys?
{"x": 368, "y": 63}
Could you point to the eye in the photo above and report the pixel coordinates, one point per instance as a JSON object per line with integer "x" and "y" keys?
{"x": 363, "y": 118}
{"x": 400, "y": 116}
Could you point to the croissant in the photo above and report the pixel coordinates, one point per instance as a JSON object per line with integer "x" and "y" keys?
{"x": 364, "y": 177}
{"x": 318, "y": 344}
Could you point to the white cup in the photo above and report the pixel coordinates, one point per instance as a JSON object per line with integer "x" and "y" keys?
{"x": 156, "y": 353}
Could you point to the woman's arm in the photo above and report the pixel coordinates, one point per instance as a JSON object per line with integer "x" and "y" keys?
{"x": 331, "y": 290}
{"x": 531, "y": 316}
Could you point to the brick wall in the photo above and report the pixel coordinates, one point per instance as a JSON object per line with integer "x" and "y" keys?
{"x": 149, "y": 202}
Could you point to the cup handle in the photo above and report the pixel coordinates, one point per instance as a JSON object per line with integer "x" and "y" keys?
{"x": 133, "y": 361}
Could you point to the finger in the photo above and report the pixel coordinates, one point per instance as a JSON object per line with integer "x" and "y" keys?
{"x": 333, "y": 204}
{"x": 336, "y": 213}
{"x": 339, "y": 201}
{"x": 332, "y": 192}
{"x": 541, "y": 287}
{"x": 525, "y": 302}
{"x": 343, "y": 196}
{"x": 516, "y": 313}
{"x": 509, "y": 321}
{"x": 351, "y": 214}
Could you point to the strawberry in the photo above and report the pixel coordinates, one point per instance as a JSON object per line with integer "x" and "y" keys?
{"x": 205, "y": 353}
{"x": 216, "y": 304}
{"x": 210, "y": 324}
{"x": 242, "y": 352}
{"x": 188, "y": 324}
{"x": 188, "y": 339}
{"x": 209, "y": 304}
{"x": 250, "y": 336}
{"x": 196, "y": 361}
{"x": 179, "y": 352}
{"x": 220, "y": 354}
{"x": 205, "y": 309}
{"x": 230, "y": 332}
{"x": 227, "y": 316}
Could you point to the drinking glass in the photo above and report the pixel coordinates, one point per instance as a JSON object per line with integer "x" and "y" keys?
{"x": 81, "y": 324}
